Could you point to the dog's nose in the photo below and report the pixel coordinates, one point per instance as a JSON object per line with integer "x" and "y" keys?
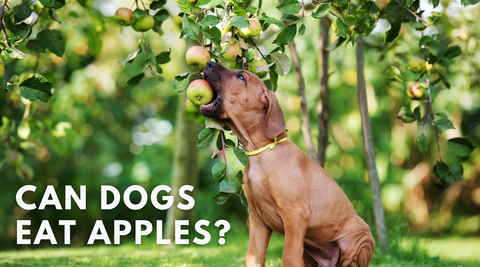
{"x": 211, "y": 65}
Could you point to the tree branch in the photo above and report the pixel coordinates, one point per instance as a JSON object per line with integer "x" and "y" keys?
{"x": 323, "y": 54}
{"x": 431, "y": 111}
{"x": 307, "y": 134}
{"x": 369, "y": 148}
{"x": 413, "y": 13}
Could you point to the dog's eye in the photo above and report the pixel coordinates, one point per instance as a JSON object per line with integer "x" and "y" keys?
{"x": 240, "y": 76}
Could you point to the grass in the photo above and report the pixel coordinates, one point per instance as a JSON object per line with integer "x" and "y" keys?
{"x": 410, "y": 252}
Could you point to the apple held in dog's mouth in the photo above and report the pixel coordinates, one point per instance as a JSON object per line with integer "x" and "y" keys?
{"x": 214, "y": 108}
{"x": 199, "y": 92}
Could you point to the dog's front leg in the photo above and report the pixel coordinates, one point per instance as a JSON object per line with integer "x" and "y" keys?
{"x": 295, "y": 225}
{"x": 259, "y": 236}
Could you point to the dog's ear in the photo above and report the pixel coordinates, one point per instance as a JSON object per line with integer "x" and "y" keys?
{"x": 274, "y": 119}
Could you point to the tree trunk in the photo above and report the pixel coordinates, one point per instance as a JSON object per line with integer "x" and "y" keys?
{"x": 185, "y": 171}
{"x": 370, "y": 149}
{"x": 323, "y": 73}
{"x": 307, "y": 133}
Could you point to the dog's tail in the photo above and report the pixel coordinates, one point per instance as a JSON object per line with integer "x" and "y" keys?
{"x": 356, "y": 243}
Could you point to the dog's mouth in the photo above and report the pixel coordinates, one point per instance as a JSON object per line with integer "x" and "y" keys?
{"x": 214, "y": 108}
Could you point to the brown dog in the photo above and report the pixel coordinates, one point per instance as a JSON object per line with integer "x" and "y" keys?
{"x": 287, "y": 192}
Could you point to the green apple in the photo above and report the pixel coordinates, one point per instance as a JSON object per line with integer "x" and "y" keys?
{"x": 192, "y": 108}
{"x": 13, "y": 158}
{"x": 24, "y": 172}
{"x": 416, "y": 65}
{"x": 199, "y": 92}
{"x": 123, "y": 16}
{"x": 414, "y": 92}
{"x": 232, "y": 51}
{"x": 197, "y": 57}
{"x": 143, "y": 23}
{"x": 255, "y": 63}
{"x": 251, "y": 31}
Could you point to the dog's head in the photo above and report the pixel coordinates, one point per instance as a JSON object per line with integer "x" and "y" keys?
{"x": 242, "y": 97}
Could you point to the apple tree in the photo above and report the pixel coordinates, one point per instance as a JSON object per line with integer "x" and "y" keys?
{"x": 229, "y": 31}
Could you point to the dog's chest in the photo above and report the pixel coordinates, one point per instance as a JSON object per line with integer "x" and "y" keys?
{"x": 261, "y": 202}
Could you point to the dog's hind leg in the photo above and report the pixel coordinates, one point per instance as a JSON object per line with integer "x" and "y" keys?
{"x": 356, "y": 243}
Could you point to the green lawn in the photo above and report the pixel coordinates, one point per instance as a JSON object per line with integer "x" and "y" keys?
{"x": 442, "y": 252}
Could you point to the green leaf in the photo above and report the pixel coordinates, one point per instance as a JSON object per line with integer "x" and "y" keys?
{"x": 21, "y": 12}
{"x": 366, "y": 16}
{"x": 251, "y": 9}
{"x": 395, "y": 12}
{"x": 214, "y": 124}
{"x": 416, "y": 113}
{"x": 161, "y": 15}
{"x": 163, "y": 57}
{"x": 460, "y": 146}
{"x": 94, "y": 41}
{"x": 5, "y": 128}
{"x": 435, "y": 3}
{"x": 221, "y": 197}
{"x": 422, "y": 143}
{"x": 208, "y": 3}
{"x": 394, "y": 74}
{"x": 341, "y": 2}
{"x": 206, "y": 137}
{"x": 135, "y": 80}
{"x": 282, "y": 63}
{"x": 349, "y": 20}
{"x": 301, "y": 30}
{"x": 182, "y": 81}
{"x": 419, "y": 26}
{"x": 191, "y": 28}
{"x": 442, "y": 124}
{"x": 273, "y": 79}
{"x": 321, "y": 11}
{"x": 290, "y": 7}
{"x": 241, "y": 156}
{"x": 441, "y": 170}
{"x": 239, "y": 11}
{"x": 457, "y": 171}
{"x": 271, "y": 20}
{"x": 286, "y": 35}
{"x": 20, "y": 32}
{"x": 453, "y": 51}
{"x": 213, "y": 34}
{"x": 219, "y": 171}
{"x": 466, "y": 3}
{"x": 209, "y": 21}
{"x": 130, "y": 57}
{"x": 240, "y": 22}
{"x": 339, "y": 41}
{"x": 290, "y": 18}
{"x": 228, "y": 187}
{"x": 53, "y": 14}
{"x": 36, "y": 87}
{"x": 185, "y": 6}
{"x": 342, "y": 29}
{"x": 53, "y": 3}
{"x": 406, "y": 115}
{"x": 157, "y": 4}
{"x": 52, "y": 40}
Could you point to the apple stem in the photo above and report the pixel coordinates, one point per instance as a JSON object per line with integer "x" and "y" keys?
{"x": 225, "y": 157}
